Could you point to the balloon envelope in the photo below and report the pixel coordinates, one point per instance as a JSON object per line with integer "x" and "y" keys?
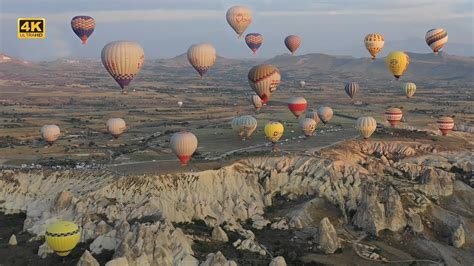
{"x": 374, "y": 43}
{"x": 116, "y": 126}
{"x": 62, "y": 237}
{"x": 308, "y": 126}
{"x": 302, "y": 84}
{"x": 436, "y": 39}
{"x": 254, "y": 41}
{"x": 274, "y": 131}
{"x": 366, "y": 126}
{"x": 393, "y": 116}
{"x": 83, "y": 27}
{"x": 445, "y": 124}
{"x": 409, "y": 88}
{"x": 244, "y": 125}
{"x": 313, "y": 114}
{"x": 325, "y": 113}
{"x": 397, "y": 63}
{"x": 50, "y": 133}
{"x": 183, "y": 144}
{"x": 292, "y": 42}
{"x": 297, "y": 105}
{"x": 264, "y": 80}
{"x": 202, "y": 57}
{"x": 239, "y": 18}
{"x": 351, "y": 89}
{"x": 256, "y": 101}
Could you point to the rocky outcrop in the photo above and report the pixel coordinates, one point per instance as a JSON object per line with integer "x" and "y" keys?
{"x": 219, "y": 235}
{"x": 217, "y": 259}
{"x": 458, "y": 237}
{"x": 87, "y": 260}
{"x": 44, "y": 250}
{"x": 328, "y": 240}
{"x": 278, "y": 261}
{"x": 12, "y": 241}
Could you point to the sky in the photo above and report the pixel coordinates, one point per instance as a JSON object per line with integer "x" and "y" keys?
{"x": 166, "y": 28}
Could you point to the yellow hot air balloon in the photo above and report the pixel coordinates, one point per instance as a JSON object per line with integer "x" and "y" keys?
{"x": 397, "y": 63}
{"x": 202, "y": 57}
{"x": 239, "y": 18}
{"x": 374, "y": 43}
{"x": 244, "y": 125}
{"x": 116, "y": 126}
{"x": 308, "y": 126}
{"x": 274, "y": 131}
{"x": 256, "y": 101}
{"x": 409, "y": 88}
{"x": 366, "y": 126}
{"x": 62, "y": 237}
{"x": 50, "y": 133}
{"x": 184, "y": 144}
{"x": 123, "y": 60}
{"x": 264, "y": 80}
{"x": 325, "y": 114}
{"x": 313, "y": 114}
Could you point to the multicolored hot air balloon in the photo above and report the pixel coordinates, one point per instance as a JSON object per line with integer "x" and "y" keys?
{"x": 397, "y": 63}
{"x": 292, "y": 42}
{"x": 436, "y": 39}
{"x": 374, "y": 43}
{"x": 202, "y": 57}
{"x": 62, "y": 237}
{"x": 351, "y": 89}
{"x": 297, "y": 105}
{"x": 254, "y": 41}
{"x": 366, "y": 126}
{"x": 83, "y": 27}
{"x": 184, "y": 144}
{"x": 409, "y": 88}
{"x": 256, "y": 101}
{"x": 239, "y": 18}
{"x": 302, "y": 84}
{"x": 116, "y": 127}
{"x": 50, "y": 133}
{"x": 325, "y": 114}
{"x": 244, "y": 125}
{"x": 393, "y": 116}
{"x": 123, "y": 60}
{"x": 308, "y": 126}
{"x": 445, "y": 124}
{"x": 274, "y": 131}
{"x": 313, "y": 114}
{"x": 264, "y": 80}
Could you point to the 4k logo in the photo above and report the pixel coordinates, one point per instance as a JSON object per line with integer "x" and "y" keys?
{"x": 31, "y": 28}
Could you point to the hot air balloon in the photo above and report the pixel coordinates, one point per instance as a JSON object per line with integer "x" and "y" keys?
{"x": 256, "y": 101}
{"x": 409, "y": 88}
{"x": 254, "y": 41}
{"x": 313, "y": 114}
{"x": 83, "y": 27}
{"x": 308, "y": 126}
{"x": 445, "y": 124}
{"x": 393, "y": 116}
{"x": 123, "y": 60}
{"x": 374, "y": 43}
{"x": 397, "y": 63}
{"x": 302, "y": 84}
{"x": 244, "y": 125}
{"x": 264, "y": 80}
{"x": 116, "y": 127}
{"x": 366, "y": 126}
{"x": 180, "y": 104}
{"x": 325, "y": 113}
{"x": 351, "y": 89}
{"x": 202, "y": 57}
{"x": 239, "y": 18}
{"x": 297, "y": 105}
{"x": 62, "y": 237}
{"x": 274, "y": 131}
{"x": 184, "y": 144}
{"x": 50, "y": 133}
{"x": 292, "y": 42}
{"x": 436, "y": 39}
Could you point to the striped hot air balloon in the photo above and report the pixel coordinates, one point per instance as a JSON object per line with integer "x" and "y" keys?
{"x": 374, "y": 43}
{"x": 83, "y": 27}
{"x": 308, "y": 126}
{"x": 436, "y": 39}
{"x": 351, "y": 89}
{"x": 325, "y": 114}
{"x": 445, "y": 124}
{"x": 264, "y": 80}
{"x": 50, "y": 133}
{"x": 397, "y": 63}
{"x": 409, "y": 88}
{"x": 123, "y": 60}
{"x": 116, "y": 126}
{"x": 313, "y": 114}
{"x": 244, "y": 126}
{"x": 254, "y": 41}
{"x": 62, "y": 237}
{"x": 297, "y": 105}
{"x": 393, "y": 116}
{"x": 274, "y": 131}
{"x": 239, "y": 18}
{"x": 366, "y": 126}
{"x": 256, "y": 101}
{"x": 184, "y": 144}
{"x": 292, "y": 42}
{"x": 202, "y": 57}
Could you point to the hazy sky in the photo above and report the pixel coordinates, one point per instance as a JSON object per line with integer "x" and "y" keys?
{"x": 166, "y": 28}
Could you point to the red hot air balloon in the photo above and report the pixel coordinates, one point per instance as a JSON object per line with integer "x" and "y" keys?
{"x": 297, "y": 105}
{"x": 254, "y": 41}
{"x": 83, "y": 27}
{"x": 393, "y": 116}
{"x": 292, "y": 42}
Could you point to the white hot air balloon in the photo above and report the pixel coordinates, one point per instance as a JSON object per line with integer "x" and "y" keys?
{"x": 239, "y": 18}
{"x": 257, "y": 102}
{"x": 184, "y": 144}
{"x": 366, "y": 126}
{"x": 308, "y": 126}
{"x": 244, "y": 125}
{"x": 116, "y": 126}
{"x": 325, "y": 114}
{"x": 180, "y": 104}
{"x": 202, "y": 57}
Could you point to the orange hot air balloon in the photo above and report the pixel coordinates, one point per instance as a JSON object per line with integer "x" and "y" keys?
{"x": 393, "y": 116}
{"x": 445, "y": 124}
{"x": 264, "y": 80}
{"x": 374, "y": 43}
{"x": 292, "y": 42}
{"x": 297, "y": 105}
{"x": 184, "y": 144}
